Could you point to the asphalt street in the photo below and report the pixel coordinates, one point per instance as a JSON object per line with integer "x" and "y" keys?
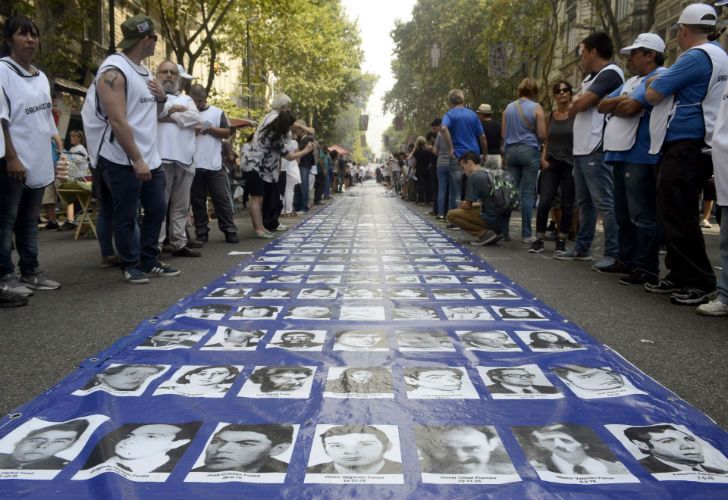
{"x": 44, "y": 341}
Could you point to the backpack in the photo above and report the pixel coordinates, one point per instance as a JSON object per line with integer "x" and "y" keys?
{"x": 503, "y": 190}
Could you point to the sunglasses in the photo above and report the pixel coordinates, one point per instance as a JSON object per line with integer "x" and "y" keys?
{"x": 563, "y": 90}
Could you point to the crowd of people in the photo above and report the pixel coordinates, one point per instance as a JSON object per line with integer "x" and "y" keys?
{"x": 639, "y": 154}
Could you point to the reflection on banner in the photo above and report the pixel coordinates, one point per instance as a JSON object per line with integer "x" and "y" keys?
{"x": 363, "y": 348}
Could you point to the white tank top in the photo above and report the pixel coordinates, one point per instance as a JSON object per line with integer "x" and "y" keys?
{"x": 720, "y": 150}
{"x": 141, "y": 113}
{"x": 589, "y": 124}
{"x": 177, "y": 143}
{"x": 208, "y": 149}
{"x": 620, "y": 132}
{"x": 31, "y": 120}
{"x": 3, "y": 116}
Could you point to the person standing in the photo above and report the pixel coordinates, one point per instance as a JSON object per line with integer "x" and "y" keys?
{"x": 689, "y": 93}
{"x": 557, "y": 163}
{"x": 492, "y": 130}
{"x": 26, "y": 167}
{"x": 523, "y": 131}
{"x": 593, "y": 177}
{"x": 176, "y": 142}
{"x": 627, "y": 144}
{"x": 209, "y": 174}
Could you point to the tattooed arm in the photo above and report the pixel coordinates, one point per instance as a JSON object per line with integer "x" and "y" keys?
{"x": 112, "y": 93}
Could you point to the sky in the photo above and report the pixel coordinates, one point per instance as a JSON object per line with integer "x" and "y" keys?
{"x": 376, "y": 21}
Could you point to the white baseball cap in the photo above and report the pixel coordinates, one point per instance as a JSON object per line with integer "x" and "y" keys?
{"x": 183, "y": 73}
{"x": 649, "y": 41}
{"x": 697, "y": 14}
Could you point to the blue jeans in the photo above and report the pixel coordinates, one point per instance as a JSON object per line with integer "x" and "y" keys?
{"x": 723, "y": 276}
{"x": 523, "y": 162}
{"x": 635, "y": 208}
{"x": 120, "y": 184}
{"x": 595, "y": 191}
{"x": 305, "y": 177}
{"x": 443, "y": 181}
{"x": 455, "y": 189}
{"x": 19, "y": 210}
{"x": 328, "y": 174}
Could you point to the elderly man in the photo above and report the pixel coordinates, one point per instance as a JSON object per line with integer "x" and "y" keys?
{"x": 356, "y": 449}
{"x": 176, "y": 143}
{"x": 461, "y": 449}
{"x": 209, "y": 174}
{"x": 248, "y": 448}
{"x": 38, "y": 449}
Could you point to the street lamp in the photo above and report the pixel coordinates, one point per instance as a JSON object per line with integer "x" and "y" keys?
{"x": 247, "y": 56}
{"x": 435, "y": 55}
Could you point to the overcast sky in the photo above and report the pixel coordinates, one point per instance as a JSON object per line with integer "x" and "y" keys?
{"x": 376, "y": 21}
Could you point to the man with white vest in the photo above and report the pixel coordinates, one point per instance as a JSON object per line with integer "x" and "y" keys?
{"x": 128, "y": 159}
{"x": 176, "y": 142}
{"x": 209, "y": 174}
{"x": 686, "y": 99}
{"x": 593, "y": 177}
{"x": 626, "y": 146}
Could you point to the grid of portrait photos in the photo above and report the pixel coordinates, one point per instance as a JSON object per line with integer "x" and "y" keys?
{"x": 363, "y": 348}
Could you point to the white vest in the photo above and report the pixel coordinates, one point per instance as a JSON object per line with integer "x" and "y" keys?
{"x": 3, "y": 116}
{"x": 589, "y": 124}
{"x": 663, "y": 112}
{"x": 620, "y": 133}
{"x": 177, "y": 143}
{"x": 31, "y": 122}
{"x": 141, "y": 113}
{"x": 720, "y": 151}
{"x": 208, "y": 149}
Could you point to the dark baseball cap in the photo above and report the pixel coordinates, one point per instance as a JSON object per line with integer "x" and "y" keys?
{"x": 134, "y": 29}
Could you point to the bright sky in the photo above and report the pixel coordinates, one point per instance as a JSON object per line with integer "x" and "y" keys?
{"x": 376, "y": 21}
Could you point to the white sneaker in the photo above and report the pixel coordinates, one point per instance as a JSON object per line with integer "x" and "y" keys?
{"x": 281, "y": 227}
{"x": 713, "y": 308}
{"x": 705, "y": 224}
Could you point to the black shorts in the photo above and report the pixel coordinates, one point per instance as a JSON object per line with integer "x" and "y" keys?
{"x": 709, "y": 190}
{"x": 254, "y": 185}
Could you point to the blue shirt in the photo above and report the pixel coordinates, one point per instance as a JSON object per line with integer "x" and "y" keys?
{"x": 688, "y": 79}
{"x": 640, "y": 151}
{"x": 465, "y": 129}
{"x": 516, "y": 130}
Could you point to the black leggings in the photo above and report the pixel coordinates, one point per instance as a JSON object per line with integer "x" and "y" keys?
{"x": 559, "y": 174}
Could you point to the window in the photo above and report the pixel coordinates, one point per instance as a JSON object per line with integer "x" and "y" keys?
{"x": 623, "y": 9}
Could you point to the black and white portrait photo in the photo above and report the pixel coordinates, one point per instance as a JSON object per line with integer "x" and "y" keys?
{"x": 444, "y": 279}
{"x": 271, "y": 293}
{"x": 595, "y": 382}
{"x": 229, "y": 339}
{"x": 210, "y": 312}
{"x": 328, "y": 268}
{"x": 209, "y": 381}
{"x": 568, "y": 453}
{"x": 433, "y": 268}
{"x": 402, "y": 279}
{"x": 361, "y": 340}
{"x": 248, "y": 453}
{"x": 123, "y": 379}
{"x": 424, "y": 340}
{"x": 245, "y": 279}
{"x": 261, "y": 268}
{"x": 452, "y": 294}
{"x": 481, "y": 279}
{"x": 548, "y": 340}
{"x": 285, "y": 278}
{"x": 407, "y": 294}
{"x": 672, "y": 452}
{"x": 270, "y": 258}
{"x": 171, "y": 338}
{"x": 140, "y": 452}
{"x": 497, "y": 293}
{"x": 404, "y": 312}
{"x": 463, "y": 454}
{"x": 326, "y": 279}
{"x": 487, "y": 340}
{"x": 298, "y": 340}
{"x": 362, "y": 313}
{"x": 38, "y": 449}
{"x": 362, "y": 293}
{"x": 513, "y": 313}
{"x": 438, "y": 382}
{"x": 309, "y": 312}
{"x": 228, "y": 293}
{"x": 467, "y": 313}
{"x": 517, "y": 382}
{"x": 342, "y": 453}
{"x": 279, "y": 382}
{"x": 361, "y": 279}
{"x": 256, "y": 312}
{"x": 373, "y": 382}
{"x": 323, "y": 293}
{"x": 295, "y": 268}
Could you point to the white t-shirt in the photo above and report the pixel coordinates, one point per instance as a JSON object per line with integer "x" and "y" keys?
{"x": 176, "y": 141}
{"x": 208, "y": 149}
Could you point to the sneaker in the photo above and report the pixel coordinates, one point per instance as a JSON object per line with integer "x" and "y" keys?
{"x": 528, "y": 240}
{"x": 51, "y": 225}
{"x": 560, "y": 246}
{"x": 110, "y": 261}
{"x": 162, "y": 269}
{"x": 8, "y": 299}
{"x": 662, "y": 286}
{"x": 231, "y": 238}
{"x": 573, "y": 255}
{"x": 186, "y": 252}
{"x": 440, "y": 217}
{"x": 281, "y": 227}
{"x": 713, "y": 308}
{"x": 11, "y": 283}
{"x": 692, "y": 297}
{"x": 266, "y": 235}
{"x": 195, "y": 244}
{"x": 637, "y": 277}
{"x": 39, "y": 281}
{"x": 202, "y": 238}
{"x": 610, "y": 265}
{"x": 135, "y": 276}
{"x": 536, "y": 246}
{"x": 705, "y": 224}
{"x": 489, "y": 238}
{"x": 507, "y": 237}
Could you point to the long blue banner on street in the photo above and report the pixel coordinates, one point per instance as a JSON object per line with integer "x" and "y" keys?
{"x": 364, "y": 354}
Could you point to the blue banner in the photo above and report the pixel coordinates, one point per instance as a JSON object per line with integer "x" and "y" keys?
{"x": 364, "y": 354}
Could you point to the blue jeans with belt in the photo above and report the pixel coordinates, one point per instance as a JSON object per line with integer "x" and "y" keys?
{"x": 524, "y": 162}
{"x": 19, "y": 210}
